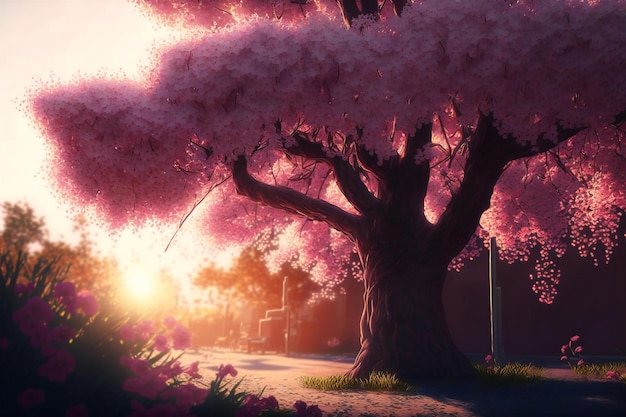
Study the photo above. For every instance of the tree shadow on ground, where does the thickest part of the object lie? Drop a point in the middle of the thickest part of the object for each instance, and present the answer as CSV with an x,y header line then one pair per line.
x,y
545,398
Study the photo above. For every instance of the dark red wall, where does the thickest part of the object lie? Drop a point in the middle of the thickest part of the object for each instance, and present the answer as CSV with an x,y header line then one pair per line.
x,y
591,302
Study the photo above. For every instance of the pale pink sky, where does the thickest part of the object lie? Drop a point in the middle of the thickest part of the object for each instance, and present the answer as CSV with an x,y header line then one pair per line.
x,y
64,37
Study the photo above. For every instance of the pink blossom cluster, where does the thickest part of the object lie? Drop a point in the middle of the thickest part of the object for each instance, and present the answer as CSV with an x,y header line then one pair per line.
x,y
173,335
147,149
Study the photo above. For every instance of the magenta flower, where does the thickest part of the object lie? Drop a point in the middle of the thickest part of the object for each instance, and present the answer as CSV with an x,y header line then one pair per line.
x,y
160,343
127,333
58,366
30,397
78,410
181,337
20,289
136,365
564,358
225,370
612,375
578,349
170,322
66,293
37,309
87,303
194,370
171,369
63,333
580,362
302,410
253,405
563,349
40,335
162,410
151,384
144,329
489,358
574,338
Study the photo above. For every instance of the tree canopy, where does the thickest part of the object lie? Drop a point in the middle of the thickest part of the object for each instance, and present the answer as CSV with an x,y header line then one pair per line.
x,y
480,118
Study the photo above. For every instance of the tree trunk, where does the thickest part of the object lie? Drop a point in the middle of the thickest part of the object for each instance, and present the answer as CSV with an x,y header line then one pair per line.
x,y
403,325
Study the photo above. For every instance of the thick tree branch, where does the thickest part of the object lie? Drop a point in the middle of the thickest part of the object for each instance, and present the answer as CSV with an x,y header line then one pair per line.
x,y
398,6
485,163
370,163
292,201
348,179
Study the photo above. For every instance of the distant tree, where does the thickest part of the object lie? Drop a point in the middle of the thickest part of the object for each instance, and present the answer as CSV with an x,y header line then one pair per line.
x,y
24,231
21,227
249,282
411,137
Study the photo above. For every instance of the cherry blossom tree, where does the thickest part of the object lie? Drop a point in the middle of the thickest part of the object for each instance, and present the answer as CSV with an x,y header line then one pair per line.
x,y
412,131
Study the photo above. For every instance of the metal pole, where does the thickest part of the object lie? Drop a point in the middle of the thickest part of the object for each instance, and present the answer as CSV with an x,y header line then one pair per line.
x,y
495,300
286,313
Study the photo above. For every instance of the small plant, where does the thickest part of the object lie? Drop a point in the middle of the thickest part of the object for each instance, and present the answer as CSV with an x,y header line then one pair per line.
x,y
494,375
377,381
571,353
615,371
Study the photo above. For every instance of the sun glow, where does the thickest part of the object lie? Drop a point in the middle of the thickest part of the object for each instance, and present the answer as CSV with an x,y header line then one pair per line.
x,y
140,282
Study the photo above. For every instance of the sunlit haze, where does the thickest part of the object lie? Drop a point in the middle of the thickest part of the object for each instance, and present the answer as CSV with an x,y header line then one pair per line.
x,y
43,39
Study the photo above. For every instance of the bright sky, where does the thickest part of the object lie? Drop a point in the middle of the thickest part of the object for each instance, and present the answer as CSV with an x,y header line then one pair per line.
x,y
63,37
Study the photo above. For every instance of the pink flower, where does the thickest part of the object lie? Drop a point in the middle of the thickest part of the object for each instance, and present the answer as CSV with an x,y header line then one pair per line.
x,y
564,358
38,310
58,366
40,335
172,369
127,333
193,370
563,349
63,333
162,410
78,410
488,358
303,411
578,349
30,397
580,362
136,365
612,375
145,329
87,303
4,343
169,322
574,338
139,410
66,292
225,370
160,343
20,289
151,384
181,337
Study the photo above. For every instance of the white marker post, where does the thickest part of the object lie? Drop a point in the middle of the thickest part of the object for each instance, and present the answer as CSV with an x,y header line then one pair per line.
x,y
495,306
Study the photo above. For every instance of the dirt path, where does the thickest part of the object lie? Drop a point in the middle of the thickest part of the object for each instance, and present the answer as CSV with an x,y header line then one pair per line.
x,y
559,393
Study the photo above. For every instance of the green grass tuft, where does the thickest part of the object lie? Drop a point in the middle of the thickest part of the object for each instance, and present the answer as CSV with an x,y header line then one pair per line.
x,y
599,370
508,375
377,381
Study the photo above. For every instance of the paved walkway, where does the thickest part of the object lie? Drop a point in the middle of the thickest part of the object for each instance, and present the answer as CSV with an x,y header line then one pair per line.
x,y
559,393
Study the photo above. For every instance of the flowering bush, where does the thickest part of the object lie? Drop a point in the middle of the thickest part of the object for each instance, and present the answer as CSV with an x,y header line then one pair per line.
x,y
63,352
571,353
